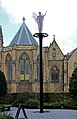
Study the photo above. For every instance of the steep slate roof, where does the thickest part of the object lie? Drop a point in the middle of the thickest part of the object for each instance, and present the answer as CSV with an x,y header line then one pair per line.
x,y
70,54
24,36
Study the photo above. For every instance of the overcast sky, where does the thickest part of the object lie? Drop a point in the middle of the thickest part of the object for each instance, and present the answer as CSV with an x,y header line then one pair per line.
x,y
60,20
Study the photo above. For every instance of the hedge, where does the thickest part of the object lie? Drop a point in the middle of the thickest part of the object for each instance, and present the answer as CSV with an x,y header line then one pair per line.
x,y
32,100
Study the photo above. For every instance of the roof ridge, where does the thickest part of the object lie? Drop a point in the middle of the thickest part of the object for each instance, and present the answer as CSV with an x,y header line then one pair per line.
x,y
20,35
27,33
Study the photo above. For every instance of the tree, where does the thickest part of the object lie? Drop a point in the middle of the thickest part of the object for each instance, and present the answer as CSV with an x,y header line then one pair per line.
x,y
3,84
73,83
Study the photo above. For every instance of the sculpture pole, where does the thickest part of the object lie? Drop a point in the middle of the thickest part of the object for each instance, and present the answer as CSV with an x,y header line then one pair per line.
x,y
40,36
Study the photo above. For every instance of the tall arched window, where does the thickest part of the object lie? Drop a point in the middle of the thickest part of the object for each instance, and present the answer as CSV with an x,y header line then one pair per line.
x,y
54,74
9,66
24,67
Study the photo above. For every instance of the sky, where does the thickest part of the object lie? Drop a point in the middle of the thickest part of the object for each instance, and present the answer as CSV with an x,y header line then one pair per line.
x,y
60,20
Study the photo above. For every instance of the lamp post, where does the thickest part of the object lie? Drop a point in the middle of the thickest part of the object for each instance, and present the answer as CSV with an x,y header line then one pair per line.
x,y
39,19
40,36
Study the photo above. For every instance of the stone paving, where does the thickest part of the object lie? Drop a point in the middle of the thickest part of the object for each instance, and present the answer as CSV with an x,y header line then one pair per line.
x,y
47,114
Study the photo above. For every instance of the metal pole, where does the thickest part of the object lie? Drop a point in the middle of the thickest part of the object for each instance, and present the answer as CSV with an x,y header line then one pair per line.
x,y
40,36
41,74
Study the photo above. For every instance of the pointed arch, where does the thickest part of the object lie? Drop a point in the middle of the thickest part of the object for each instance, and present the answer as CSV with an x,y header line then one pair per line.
x,y
24,61
9,66
54,74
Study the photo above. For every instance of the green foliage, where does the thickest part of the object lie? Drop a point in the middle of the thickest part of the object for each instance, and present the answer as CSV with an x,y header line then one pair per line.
x,y
73,84
58,101
8,99
6,116
32,100
32,103
4,107
23,97
3,84
55,97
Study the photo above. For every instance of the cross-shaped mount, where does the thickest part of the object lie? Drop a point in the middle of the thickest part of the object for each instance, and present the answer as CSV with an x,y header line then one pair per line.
x,y
23,19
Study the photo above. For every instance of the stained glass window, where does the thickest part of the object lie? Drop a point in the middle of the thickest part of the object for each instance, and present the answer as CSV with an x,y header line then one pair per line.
x,y
54,74
9,66
24,67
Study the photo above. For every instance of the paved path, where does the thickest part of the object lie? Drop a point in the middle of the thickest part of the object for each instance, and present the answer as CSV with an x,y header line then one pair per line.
x,y
48,114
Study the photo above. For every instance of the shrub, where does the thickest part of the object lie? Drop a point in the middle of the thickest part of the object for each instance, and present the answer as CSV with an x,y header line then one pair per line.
x,y
73,84
6,116
3,84
31,100
24,97
5,107
32,103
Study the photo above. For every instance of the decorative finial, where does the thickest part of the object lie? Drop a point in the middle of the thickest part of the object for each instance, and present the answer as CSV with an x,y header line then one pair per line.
x,y
23,19
53,37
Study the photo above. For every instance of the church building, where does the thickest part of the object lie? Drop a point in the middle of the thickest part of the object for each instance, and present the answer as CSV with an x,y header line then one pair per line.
x,y
20,63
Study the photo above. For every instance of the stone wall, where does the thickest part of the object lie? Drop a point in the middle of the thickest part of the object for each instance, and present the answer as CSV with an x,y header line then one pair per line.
x,y
32,85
